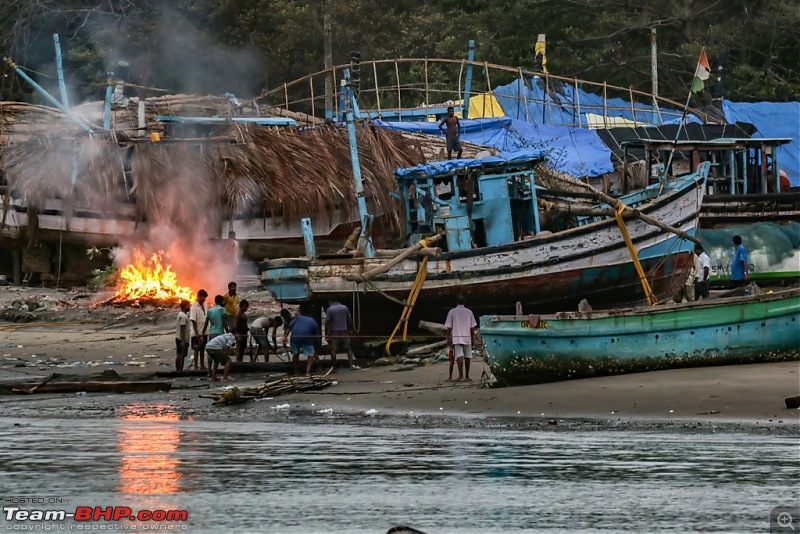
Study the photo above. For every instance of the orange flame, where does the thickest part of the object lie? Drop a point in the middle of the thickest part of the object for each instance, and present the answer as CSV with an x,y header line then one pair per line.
x,y
150,278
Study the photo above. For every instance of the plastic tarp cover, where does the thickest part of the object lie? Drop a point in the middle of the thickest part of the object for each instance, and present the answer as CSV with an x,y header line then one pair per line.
x,y
558,105
485,105
575,151
773,119
448,167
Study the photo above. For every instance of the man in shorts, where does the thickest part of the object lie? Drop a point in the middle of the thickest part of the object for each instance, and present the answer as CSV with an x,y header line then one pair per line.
x,y
461,325
219,352
182,337
306,337
452,134
199,330
338,325
231,304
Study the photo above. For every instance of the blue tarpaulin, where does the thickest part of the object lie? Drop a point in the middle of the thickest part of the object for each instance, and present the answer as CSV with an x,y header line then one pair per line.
x,y
575,151
559,105
447,167
773,119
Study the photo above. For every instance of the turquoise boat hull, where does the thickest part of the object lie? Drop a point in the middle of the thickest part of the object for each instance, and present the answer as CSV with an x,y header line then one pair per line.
x,y
534,349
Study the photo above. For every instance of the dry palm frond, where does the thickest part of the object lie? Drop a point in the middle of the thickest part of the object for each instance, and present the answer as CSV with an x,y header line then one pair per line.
x,y
296,173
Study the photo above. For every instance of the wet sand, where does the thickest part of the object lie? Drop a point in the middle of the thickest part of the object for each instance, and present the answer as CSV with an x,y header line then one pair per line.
x,y
739,393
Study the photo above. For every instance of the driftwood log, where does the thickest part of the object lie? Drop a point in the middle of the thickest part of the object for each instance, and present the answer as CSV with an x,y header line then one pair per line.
x,y
424,349
397,259
436,328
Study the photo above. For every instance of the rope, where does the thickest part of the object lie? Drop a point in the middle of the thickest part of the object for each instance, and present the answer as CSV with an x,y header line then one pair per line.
x,y
651,298
422,273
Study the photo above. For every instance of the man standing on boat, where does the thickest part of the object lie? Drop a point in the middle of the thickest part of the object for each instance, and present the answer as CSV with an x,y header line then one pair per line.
x,y
453,132
461,324
702,283
739,269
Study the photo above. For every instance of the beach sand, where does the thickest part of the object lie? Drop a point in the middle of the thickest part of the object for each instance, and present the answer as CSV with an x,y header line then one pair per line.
x,y
136,342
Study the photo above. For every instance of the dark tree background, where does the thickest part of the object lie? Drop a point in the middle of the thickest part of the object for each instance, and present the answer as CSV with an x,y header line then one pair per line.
x,y
246,46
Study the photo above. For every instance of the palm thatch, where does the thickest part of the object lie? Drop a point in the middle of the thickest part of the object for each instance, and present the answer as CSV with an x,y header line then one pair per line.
x,y
267,170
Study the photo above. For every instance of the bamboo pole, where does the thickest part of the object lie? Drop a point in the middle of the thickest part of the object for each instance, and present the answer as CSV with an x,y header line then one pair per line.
x,y
311,83
578,98
286,96
636,214
399,97
427,102
377,89
605,106
460,76
633,108
524,95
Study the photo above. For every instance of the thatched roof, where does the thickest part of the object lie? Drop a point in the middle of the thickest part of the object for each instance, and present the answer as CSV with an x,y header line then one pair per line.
x,y
20,121
277,170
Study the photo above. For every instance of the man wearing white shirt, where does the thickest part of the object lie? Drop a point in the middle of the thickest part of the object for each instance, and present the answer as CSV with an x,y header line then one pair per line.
x,y
702,284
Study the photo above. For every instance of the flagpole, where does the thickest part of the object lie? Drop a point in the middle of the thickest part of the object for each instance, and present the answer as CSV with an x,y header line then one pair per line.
x,y
680,125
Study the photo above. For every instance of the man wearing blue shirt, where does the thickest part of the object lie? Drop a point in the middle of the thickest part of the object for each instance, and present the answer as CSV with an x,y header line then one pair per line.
x,y
306,336
739,263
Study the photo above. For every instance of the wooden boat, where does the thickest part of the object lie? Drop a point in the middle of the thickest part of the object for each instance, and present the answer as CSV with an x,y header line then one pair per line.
x,y
542,348
743,197
495,252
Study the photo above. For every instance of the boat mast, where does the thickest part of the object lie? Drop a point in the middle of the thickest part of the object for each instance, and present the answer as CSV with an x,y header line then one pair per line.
x,y
365,241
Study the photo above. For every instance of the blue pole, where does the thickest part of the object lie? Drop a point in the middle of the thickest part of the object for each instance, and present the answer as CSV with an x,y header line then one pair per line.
x,y
62,87
364,241
47,96
308,237
468,84
535,203
107,106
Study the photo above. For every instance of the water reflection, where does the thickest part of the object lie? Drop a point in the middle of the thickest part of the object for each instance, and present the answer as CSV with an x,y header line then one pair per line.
x,y
148,441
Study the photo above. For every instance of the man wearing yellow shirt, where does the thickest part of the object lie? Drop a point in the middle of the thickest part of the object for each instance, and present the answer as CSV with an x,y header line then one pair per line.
x,y
231,305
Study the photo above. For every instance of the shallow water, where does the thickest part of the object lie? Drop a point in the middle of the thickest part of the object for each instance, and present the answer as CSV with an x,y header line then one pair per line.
x,y
309,476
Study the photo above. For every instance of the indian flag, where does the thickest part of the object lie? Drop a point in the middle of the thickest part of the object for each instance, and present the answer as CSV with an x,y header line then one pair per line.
x,y
702,72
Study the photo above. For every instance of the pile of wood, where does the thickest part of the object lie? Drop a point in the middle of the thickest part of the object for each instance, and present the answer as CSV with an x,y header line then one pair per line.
x,y
236,395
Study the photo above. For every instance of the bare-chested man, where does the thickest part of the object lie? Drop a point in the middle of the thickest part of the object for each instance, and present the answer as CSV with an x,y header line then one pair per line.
x,y
452,134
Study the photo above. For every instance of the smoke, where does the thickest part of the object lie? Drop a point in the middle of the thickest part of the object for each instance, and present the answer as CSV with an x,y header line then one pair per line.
x,y
180,54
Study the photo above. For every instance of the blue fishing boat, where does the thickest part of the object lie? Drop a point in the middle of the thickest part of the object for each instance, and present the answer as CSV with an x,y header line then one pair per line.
x,y
495,251
528,349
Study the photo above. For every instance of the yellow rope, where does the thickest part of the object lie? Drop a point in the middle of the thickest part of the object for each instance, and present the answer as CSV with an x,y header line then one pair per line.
x,y
422,273
651,298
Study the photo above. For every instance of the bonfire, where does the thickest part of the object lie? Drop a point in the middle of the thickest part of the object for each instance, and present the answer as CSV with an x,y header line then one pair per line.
x,y
149,280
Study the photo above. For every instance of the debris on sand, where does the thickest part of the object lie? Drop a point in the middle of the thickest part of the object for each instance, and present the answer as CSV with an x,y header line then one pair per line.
x,y
236,395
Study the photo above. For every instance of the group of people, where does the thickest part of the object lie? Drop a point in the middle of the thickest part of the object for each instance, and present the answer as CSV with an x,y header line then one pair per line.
x,y
698,283
223,330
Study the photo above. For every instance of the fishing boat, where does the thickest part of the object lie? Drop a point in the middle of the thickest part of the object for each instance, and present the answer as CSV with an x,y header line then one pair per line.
x,y
744,196
528,349
495,251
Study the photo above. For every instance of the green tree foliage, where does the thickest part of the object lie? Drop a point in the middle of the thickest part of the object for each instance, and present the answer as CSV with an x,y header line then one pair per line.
x,y
246,46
